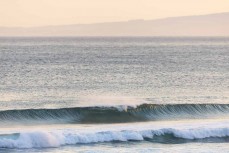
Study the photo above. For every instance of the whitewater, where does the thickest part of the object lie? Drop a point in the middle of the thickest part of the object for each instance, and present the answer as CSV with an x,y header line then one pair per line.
x,y
114,94
163,132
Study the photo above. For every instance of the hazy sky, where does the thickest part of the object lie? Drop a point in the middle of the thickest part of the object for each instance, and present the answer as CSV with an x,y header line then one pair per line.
x,y
61,12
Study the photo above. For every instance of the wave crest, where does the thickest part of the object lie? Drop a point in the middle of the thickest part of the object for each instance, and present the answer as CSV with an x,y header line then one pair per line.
x,y
144,112
42,139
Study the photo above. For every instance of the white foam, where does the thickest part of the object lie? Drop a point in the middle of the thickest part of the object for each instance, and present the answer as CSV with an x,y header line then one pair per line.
x,y
120,102
43,138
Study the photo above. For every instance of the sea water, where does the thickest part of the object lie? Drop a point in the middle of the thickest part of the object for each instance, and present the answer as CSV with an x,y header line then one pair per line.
x,y
114,94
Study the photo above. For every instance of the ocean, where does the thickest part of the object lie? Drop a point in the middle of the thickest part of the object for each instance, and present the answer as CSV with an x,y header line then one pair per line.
x,y
114,94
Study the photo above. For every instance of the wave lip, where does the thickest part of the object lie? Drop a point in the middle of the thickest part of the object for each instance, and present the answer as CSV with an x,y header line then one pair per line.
x,y
45,139
144,112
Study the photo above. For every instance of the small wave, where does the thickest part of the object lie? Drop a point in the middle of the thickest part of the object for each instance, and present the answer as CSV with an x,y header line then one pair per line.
x,y
45,139
119,114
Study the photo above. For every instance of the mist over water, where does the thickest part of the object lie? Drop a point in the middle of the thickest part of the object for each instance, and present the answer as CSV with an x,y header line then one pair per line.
x,y
76,83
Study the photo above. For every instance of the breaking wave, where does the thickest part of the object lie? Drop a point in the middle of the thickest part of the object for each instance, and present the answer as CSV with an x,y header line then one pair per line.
x,y
119,114
45,139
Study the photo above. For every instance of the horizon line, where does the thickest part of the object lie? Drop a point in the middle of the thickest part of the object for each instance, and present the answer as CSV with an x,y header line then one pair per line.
x,y
131,20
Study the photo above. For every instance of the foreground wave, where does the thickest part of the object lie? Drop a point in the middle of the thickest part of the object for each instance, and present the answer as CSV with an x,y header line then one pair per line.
x,y
119,114
42,139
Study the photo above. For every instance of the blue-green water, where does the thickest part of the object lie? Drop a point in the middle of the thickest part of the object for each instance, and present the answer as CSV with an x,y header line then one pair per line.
x,y
114,94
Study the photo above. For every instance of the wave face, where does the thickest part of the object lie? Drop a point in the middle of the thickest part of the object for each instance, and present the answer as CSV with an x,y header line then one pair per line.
x,y
119,114
45,139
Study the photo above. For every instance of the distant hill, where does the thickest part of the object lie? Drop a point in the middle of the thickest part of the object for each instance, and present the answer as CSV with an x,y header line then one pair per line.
x,y
203,25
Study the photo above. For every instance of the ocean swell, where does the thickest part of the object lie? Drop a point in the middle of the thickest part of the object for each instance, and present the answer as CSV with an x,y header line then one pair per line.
x,y
118,114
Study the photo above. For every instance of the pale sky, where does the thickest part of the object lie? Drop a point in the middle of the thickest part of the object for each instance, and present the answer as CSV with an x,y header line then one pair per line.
x,y
62,12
